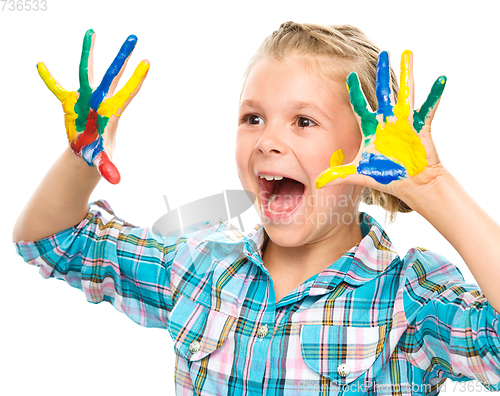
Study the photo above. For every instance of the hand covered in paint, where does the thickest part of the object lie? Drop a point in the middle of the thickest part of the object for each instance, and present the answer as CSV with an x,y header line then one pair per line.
x,y
396,139
91,115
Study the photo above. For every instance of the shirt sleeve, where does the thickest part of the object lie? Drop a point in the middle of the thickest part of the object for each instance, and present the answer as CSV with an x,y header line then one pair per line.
x,y
109,260
453,331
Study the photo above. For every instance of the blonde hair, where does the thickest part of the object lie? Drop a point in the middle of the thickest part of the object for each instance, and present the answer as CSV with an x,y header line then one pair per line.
x,y
355,51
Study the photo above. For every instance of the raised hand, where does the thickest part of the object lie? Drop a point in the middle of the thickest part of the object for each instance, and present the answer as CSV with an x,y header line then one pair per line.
x,y
91,115
396,139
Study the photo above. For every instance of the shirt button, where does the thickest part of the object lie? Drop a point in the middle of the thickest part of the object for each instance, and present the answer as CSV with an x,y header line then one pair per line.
x,y
194,347
343,370
262,332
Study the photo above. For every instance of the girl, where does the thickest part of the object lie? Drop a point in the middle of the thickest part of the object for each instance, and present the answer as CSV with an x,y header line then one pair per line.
x,y
315,301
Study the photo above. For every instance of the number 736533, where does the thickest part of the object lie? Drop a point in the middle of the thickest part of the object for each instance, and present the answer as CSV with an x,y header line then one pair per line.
x,y
24,5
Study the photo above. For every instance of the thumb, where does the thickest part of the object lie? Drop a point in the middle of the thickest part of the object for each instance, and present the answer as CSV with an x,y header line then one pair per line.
x,y
106,168
95,155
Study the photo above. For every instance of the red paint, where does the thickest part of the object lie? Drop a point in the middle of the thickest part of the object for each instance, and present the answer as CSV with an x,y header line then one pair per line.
x,y
89,134
106,168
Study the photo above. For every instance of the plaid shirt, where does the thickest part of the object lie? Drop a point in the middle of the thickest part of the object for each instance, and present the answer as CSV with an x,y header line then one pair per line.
x,y
370,323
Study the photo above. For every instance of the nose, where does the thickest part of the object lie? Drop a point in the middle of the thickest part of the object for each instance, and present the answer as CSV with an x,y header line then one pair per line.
x,y
271,141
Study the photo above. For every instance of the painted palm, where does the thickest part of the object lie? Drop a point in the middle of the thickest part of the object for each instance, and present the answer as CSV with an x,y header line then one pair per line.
x,y
391,147
88,111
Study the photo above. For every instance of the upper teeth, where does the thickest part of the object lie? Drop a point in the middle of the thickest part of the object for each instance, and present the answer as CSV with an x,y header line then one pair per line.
x,y
271,177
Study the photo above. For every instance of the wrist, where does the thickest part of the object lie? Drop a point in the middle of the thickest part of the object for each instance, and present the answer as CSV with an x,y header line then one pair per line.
x,y
81,169
441,193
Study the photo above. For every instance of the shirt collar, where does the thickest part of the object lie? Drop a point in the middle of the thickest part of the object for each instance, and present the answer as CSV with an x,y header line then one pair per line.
x,y
229,238
364,262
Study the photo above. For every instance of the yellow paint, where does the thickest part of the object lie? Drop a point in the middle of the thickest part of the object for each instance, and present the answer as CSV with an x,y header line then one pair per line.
x,y
336,169
398,140
395,138
402,108
337,158
333,173
114,105
67,98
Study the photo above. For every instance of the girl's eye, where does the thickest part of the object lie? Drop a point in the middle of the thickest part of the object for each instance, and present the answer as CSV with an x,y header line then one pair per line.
x,y
253,119
303,122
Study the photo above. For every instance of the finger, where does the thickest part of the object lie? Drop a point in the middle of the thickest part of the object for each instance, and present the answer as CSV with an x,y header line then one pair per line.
x,y
66,97
356,96
85,73
86,62
402,108
94,155
361,107
106,168
383,87
118,103
371,169
336,170
116,80
112,75
380,168
333,173
337,158
428,109
91,60
411,83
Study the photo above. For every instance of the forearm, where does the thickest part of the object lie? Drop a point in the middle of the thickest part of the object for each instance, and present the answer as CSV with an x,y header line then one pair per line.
x,y
60,201
471,231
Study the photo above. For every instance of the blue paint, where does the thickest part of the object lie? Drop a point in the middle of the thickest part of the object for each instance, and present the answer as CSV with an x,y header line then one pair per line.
x,y
90,151
380,168
383,87
100,93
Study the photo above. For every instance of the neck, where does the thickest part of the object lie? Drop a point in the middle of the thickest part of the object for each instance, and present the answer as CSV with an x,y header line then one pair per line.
x,y
302,262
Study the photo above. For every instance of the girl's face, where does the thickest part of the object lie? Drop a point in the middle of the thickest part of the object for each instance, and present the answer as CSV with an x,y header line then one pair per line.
x,y
290,122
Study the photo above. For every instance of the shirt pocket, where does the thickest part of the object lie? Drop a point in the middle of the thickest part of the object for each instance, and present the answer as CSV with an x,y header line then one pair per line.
x,y
341,353
197,331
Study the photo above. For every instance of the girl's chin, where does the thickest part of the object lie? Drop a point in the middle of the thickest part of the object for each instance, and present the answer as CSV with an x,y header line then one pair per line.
x,y
290,221
284,239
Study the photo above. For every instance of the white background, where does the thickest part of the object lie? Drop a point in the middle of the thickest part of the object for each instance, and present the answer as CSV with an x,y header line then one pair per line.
x,y
177,138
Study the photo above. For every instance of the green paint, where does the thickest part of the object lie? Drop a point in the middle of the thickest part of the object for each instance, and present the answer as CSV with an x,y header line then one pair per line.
x,y
419,116
82,106
101,123
368,119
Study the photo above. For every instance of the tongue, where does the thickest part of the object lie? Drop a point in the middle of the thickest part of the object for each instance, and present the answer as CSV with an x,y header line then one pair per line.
x,y
287,196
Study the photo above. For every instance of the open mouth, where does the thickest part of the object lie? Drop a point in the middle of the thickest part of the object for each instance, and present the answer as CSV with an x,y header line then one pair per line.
x,y
280,195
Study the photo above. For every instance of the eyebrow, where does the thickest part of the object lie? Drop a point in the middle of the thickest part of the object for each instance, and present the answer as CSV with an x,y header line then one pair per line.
x,y
289,105
249,103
